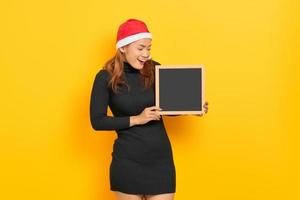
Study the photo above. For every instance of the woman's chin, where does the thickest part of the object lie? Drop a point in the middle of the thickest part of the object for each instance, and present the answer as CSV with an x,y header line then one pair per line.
x,y
139,66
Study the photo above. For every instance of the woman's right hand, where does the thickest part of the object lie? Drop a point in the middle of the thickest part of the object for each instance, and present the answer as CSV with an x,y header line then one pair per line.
x,y
148,114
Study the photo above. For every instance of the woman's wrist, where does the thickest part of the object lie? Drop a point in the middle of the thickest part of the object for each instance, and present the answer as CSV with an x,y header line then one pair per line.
x,y
134,120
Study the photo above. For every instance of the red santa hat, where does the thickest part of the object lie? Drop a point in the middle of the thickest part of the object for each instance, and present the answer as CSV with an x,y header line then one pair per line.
x,y
130,31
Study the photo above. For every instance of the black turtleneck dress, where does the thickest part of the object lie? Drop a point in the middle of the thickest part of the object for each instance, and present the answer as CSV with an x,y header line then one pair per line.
x,y
142,160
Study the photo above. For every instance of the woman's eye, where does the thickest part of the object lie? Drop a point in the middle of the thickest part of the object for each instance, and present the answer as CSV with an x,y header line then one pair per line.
x,y
142,49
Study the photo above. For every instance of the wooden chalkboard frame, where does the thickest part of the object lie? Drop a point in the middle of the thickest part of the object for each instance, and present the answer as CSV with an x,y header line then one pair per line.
x,y
158,68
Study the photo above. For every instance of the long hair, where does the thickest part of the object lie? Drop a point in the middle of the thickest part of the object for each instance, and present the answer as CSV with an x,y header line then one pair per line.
x,y
115,67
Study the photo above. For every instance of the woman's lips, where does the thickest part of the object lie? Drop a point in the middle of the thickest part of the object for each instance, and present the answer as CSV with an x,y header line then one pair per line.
x,y
142,62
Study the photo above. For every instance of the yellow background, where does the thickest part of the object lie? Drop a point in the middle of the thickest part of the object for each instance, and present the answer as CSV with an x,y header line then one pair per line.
x,y
245,148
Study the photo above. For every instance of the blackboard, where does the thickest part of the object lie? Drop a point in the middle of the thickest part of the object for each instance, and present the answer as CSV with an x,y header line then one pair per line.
x,y
179,89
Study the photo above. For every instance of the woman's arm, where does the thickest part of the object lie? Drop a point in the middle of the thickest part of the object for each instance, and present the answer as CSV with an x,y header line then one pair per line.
x,y
98,106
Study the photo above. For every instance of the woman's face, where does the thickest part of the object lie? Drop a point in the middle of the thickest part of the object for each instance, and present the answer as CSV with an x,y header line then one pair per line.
x,y
138,52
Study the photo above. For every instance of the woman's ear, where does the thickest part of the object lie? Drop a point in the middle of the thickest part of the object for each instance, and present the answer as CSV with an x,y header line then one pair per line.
x,y
122,50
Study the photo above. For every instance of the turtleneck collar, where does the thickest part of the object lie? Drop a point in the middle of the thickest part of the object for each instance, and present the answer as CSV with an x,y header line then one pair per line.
x,y
129,68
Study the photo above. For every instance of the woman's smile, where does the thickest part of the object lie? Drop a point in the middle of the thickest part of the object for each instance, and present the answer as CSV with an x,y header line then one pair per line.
x,y
141,61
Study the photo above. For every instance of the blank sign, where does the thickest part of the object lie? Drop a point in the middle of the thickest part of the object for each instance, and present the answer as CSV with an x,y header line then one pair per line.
x,y
179,89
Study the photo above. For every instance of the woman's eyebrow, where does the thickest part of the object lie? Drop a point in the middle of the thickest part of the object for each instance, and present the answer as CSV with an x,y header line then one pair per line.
x,y
144,45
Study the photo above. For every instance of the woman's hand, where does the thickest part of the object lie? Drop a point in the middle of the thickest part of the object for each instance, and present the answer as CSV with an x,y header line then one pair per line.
x,y
148,114
205,106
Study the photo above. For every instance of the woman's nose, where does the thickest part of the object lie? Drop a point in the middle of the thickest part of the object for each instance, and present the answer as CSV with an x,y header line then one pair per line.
x,y
146,54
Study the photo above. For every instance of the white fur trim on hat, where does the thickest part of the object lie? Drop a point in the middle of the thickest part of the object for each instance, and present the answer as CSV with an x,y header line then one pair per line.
x,y
132,38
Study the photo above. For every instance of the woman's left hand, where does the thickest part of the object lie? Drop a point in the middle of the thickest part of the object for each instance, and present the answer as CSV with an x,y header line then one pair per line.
x,y
205,106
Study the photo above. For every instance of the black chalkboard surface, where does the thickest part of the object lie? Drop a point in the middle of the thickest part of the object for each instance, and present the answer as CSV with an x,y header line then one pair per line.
x,y
179,89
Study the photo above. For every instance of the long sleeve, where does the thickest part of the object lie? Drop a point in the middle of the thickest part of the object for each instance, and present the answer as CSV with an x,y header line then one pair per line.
x,y
99,103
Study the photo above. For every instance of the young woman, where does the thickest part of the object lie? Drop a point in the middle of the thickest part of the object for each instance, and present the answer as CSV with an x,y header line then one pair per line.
x,y
142,164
